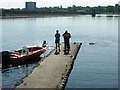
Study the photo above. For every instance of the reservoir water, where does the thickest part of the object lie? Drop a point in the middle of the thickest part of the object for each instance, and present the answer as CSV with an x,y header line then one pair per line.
x,y
96,66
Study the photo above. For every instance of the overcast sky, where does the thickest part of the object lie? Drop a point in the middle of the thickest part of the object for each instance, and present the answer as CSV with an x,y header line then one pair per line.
x,y
64,3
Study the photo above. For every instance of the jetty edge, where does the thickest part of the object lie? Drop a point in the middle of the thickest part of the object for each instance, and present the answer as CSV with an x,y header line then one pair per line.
x,y
53,71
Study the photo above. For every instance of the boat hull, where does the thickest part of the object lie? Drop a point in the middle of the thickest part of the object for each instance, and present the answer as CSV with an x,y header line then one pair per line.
x,y
33,56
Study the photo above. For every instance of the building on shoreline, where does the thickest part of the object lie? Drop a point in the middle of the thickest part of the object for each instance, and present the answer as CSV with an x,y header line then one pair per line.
x,y
31,9
30,6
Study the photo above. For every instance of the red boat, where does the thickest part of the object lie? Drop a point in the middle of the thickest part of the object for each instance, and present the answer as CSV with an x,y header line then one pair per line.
x,y
26,55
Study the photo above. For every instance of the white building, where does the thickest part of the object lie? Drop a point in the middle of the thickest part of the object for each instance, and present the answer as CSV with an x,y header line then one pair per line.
x,y
30,6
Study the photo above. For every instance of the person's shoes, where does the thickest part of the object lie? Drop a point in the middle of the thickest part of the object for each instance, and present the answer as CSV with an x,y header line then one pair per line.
x,y
56,53
59,50
65,53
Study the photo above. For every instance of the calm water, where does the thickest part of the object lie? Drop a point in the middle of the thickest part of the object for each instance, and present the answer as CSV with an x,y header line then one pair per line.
x,y
96,66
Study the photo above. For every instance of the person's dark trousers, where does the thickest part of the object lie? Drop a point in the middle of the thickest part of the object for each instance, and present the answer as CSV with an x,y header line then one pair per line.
x,y
66,47
57,46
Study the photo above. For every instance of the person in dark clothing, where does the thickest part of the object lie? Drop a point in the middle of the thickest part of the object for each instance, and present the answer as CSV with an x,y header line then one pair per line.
x,y
57,40
44,44
67,37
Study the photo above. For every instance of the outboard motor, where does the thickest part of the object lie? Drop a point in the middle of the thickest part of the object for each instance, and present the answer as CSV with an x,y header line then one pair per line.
x,y
5,59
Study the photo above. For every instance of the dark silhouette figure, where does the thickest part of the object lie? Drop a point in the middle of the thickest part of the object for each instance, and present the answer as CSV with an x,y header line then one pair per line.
x,y
44,44
57,40
67,37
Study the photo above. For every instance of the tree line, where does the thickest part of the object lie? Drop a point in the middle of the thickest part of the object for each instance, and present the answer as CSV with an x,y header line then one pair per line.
x,y
69,10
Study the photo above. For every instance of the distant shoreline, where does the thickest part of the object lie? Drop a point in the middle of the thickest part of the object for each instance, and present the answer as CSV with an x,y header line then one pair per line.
x,y
53,15
8,16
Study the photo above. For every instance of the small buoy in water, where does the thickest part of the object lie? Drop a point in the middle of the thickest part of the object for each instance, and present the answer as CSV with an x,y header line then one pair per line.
x,y
91,43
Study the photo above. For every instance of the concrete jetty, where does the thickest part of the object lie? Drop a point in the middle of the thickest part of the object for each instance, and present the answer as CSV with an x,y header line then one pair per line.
x,y
53,71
